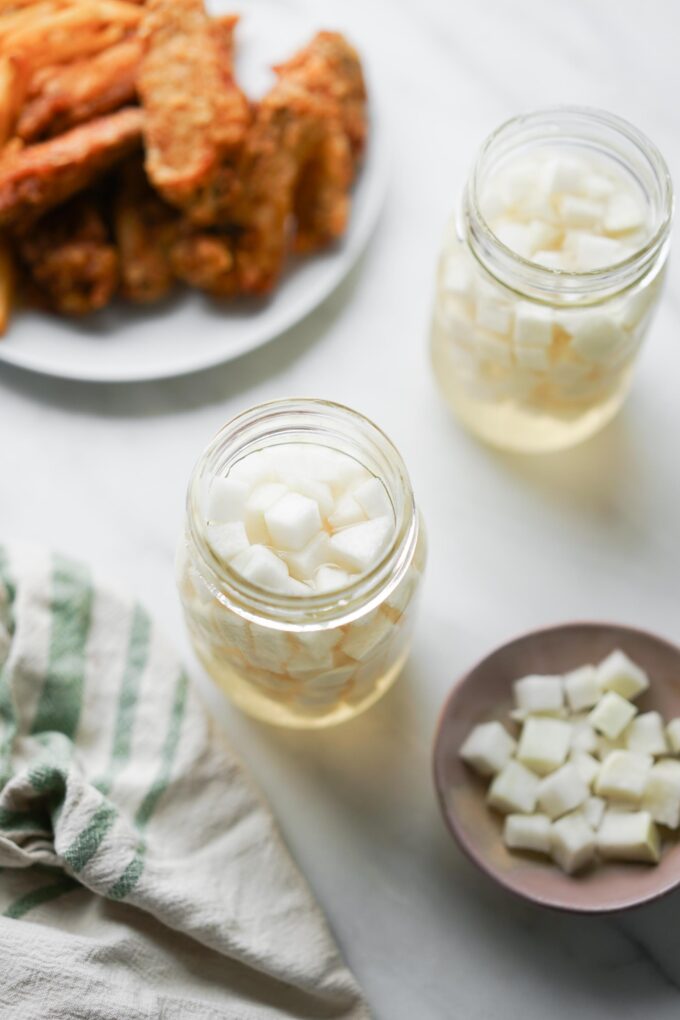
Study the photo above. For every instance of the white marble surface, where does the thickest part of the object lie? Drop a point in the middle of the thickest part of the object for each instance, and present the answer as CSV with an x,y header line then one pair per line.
x,y
515,543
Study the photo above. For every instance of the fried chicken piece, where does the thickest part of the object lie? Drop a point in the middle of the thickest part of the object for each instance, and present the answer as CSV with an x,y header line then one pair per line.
x,y
40,176
197,117
69,256
206,261
144,227
82,90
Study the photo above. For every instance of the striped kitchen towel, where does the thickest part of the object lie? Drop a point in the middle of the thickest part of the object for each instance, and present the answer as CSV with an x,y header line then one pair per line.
x,y
141,875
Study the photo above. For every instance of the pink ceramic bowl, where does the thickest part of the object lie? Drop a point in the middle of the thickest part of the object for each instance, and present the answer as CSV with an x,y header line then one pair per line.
x,y
485,693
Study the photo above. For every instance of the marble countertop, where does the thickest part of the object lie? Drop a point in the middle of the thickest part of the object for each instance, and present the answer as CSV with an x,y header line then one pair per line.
x,y
515,543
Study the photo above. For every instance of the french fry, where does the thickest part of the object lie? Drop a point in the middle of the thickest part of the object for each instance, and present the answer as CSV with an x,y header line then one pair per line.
x,y
7,279
71,33
13,82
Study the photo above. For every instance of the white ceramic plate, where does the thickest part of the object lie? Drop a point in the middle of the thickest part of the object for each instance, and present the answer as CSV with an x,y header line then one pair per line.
x,y
190,332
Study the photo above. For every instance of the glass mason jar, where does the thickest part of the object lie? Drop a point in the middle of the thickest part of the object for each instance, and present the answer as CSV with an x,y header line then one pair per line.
x,y
348,645
593,321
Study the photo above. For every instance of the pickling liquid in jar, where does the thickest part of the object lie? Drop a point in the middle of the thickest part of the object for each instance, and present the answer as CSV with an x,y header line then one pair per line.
x,y
549,278
301,563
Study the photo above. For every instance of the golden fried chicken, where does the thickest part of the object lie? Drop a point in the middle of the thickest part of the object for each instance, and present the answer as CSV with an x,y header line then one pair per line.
x,y
144,228
69,256
76,92
197,117
41,176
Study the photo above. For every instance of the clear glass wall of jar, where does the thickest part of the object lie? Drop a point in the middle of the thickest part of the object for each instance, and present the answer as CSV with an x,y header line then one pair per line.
x,y
531,400
356,639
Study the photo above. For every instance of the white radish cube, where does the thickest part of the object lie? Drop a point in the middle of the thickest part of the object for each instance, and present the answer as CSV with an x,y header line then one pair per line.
x,y
488,748
293,520
628,836
515,236
595,336
544,744
587,766
619,673
539,695
360,546
373,499
605,746
492,348
362,638
337,469
542,235
592,251
593,811
254,469
260,499
562,791
227,540
320,492
564,174
580,212
662,794
646,734
537,359
673,734
583,736
623,213
550,259
295,587
573,842
226,500
304,564
271,648
317,644
493,314
611,715
598,186
623,775
514,790
581,688
527,832
262,567
330,579
457,277
533,325
347,511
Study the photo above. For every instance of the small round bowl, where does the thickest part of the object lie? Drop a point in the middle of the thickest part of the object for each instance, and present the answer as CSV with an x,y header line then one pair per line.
x,y
485,693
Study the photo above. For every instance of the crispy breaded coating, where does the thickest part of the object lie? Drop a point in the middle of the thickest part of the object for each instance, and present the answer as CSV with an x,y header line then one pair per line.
x,y
41,176
69,256
144,228
77,92
197,117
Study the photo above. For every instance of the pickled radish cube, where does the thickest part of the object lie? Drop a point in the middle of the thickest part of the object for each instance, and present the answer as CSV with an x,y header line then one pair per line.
x,y
646,734
227,540
581,688
598,186
583,736
320,492
623,213
564,174
562,791
515,236
533,325
329,579
611,715
492,314
588,766
594,335
362,638
605,746
573,842
593,811
488,748
347,511
254,469
304,564
527,832
226,500
293,520
514,790
673,734
360,546
535,358
592,251
539,695
628,836
295,587
261,566
373,499
544,744
260,499
338,469
580,212
623,775
457,277
662,794
550,259
542,235
619,673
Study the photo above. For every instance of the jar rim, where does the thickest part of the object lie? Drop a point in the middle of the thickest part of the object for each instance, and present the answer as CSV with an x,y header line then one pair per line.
x,y
304,612
541,281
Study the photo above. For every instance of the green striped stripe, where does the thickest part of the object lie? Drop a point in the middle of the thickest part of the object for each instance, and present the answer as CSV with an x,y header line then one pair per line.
x,y
85,845
128,880
37,897
168,751
22,821
137,658
61,699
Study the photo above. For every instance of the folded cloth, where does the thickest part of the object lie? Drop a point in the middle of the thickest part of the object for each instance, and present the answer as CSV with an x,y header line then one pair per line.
x,y
141,874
